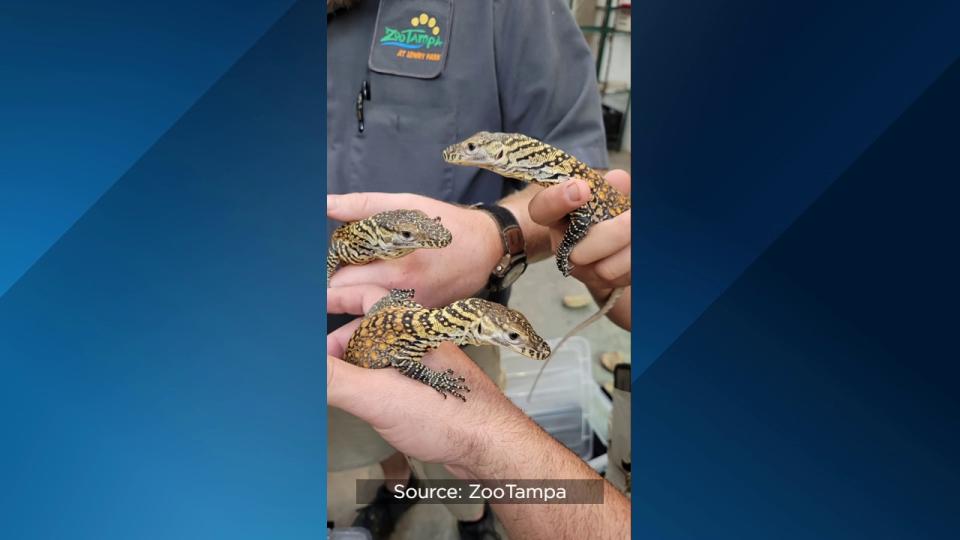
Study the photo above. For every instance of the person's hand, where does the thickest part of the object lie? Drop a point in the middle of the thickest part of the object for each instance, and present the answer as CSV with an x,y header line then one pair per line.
x,y
602,258
486,437
410,415
351,300
414,419
439,276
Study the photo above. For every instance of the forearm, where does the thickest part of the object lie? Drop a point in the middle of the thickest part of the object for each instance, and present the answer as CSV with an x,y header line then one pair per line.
x,y
537,236
610,519
522,450
486,438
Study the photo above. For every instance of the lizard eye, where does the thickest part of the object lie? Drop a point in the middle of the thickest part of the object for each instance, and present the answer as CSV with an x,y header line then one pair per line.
x,y
406,234
513,336
471,147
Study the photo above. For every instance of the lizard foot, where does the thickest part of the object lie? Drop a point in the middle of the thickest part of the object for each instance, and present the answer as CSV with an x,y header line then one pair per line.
x,y
444,382
563,264
580,221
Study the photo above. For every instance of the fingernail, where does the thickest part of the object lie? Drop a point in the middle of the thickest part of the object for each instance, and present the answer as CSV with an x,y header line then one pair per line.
x,y
573,191
331,202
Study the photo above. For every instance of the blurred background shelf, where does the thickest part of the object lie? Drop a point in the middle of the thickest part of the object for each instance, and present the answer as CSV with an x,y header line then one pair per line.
x,y
606,24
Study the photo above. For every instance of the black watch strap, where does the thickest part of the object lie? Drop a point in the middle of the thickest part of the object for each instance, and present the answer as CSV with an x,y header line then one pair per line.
x,y
514,259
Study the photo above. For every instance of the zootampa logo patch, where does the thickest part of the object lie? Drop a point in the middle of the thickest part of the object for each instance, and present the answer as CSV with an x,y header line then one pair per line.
x,y
412,38
416,41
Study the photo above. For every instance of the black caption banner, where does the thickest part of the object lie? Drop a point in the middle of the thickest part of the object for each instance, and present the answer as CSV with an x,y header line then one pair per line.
x,y
494,491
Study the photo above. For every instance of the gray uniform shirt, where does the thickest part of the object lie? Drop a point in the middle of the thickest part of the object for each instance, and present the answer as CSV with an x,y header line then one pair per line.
x,y
439,71
501,65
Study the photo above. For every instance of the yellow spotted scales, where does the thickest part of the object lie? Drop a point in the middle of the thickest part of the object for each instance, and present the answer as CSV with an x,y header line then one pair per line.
x,y
397,332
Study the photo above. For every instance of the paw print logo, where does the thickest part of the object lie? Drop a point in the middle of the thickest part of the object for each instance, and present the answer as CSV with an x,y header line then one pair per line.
x,y
428,21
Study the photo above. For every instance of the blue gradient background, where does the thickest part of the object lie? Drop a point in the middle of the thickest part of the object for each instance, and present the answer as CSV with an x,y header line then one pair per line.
x,y
87,88
161,195
747,111
161,182
795,353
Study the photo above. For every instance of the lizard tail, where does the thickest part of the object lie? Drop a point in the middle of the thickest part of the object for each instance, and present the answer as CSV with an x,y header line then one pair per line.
x,y
607,306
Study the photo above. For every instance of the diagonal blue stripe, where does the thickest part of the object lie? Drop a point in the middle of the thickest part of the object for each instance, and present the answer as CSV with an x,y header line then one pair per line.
x,y
639,372
817,397
86,88
161,362
749,115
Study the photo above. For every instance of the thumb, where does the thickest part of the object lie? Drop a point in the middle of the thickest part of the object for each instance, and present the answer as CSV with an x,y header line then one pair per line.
x,y
554,203
354,206
355,390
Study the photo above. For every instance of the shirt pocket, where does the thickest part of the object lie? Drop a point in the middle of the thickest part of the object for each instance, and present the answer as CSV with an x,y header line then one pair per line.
x,y
407,124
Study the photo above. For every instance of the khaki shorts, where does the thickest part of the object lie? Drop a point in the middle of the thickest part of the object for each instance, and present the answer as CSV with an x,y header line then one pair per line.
x,y
352,443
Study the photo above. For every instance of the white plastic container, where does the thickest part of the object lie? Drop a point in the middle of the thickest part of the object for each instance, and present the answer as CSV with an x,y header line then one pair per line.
x,y
561,401
599,413
349,533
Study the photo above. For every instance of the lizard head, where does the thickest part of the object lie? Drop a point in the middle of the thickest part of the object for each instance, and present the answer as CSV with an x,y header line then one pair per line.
x,y
410,229
483,149
499,325
513,155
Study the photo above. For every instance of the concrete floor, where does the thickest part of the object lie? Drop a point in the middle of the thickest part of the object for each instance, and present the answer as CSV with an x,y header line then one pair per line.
x,y
539,295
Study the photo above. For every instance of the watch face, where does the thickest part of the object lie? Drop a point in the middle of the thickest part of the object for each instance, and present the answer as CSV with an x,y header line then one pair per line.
x,y
514,273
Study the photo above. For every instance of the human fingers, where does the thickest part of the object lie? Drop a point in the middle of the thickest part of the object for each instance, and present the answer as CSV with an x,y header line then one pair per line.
x,y
602,240
554,203
386,275
354,206
338,339
615,273
365,393
619,179
354,299
615,269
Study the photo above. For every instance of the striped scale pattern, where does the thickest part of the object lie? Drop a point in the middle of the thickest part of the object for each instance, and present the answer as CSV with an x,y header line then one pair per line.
x,y
524,158
387,235
398,332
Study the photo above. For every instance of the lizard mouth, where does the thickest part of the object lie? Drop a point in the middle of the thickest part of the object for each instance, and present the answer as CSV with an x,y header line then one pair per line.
x,y
535,352
541,353
450,154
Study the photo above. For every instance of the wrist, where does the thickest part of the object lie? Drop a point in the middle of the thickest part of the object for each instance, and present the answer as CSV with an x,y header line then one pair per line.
x,y
537,236
490,245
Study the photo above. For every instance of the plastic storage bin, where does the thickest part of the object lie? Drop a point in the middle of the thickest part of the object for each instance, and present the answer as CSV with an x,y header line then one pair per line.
x,y
561,401
599,412
349,533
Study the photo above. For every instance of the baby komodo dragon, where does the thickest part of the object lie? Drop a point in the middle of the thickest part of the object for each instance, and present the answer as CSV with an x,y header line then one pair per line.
x,y
398,331
387,235
524,158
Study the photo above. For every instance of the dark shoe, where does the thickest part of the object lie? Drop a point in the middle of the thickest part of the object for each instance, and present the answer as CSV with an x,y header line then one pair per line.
x,y
482,529
380,517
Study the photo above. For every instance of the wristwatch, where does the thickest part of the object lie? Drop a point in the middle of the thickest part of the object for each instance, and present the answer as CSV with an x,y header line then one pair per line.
x,y
514,260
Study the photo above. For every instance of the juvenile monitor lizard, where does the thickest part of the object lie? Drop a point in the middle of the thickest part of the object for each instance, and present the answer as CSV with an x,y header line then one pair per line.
x,y
387,235
524,158
397,332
